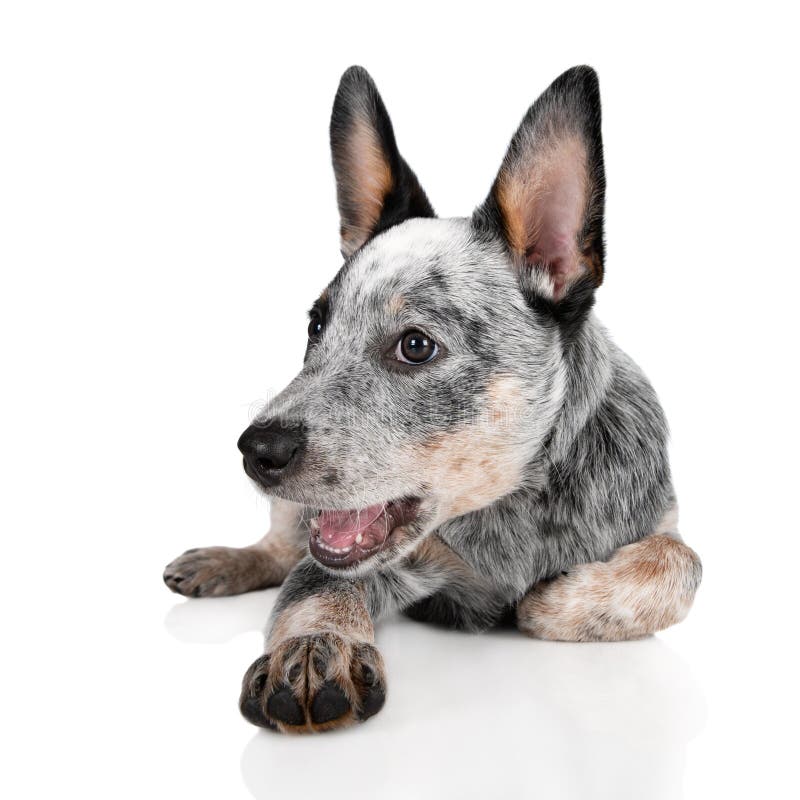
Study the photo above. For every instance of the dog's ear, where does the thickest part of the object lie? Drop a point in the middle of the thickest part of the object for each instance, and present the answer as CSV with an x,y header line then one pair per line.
x,y
547,200
375,187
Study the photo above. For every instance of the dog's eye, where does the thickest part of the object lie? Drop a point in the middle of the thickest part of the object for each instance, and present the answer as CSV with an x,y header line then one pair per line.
x,y
315,326
416,348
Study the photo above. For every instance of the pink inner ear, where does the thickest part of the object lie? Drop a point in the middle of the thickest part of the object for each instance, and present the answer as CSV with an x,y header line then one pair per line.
x,y
543,199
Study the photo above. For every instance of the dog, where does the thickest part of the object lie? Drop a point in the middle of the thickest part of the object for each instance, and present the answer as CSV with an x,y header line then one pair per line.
x,y
464,442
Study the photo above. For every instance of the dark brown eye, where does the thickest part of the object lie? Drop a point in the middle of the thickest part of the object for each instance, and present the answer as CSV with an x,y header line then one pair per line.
x,y
315,326
416,348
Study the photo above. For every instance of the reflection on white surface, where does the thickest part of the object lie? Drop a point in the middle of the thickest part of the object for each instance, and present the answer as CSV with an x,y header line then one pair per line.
x,y
489,716
220,619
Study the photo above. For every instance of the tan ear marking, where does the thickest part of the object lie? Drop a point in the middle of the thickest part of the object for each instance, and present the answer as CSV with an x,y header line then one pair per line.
x,y
548,198
543,195
369,179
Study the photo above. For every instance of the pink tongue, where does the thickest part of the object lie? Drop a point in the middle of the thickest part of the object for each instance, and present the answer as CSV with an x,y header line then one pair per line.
x,y
340,528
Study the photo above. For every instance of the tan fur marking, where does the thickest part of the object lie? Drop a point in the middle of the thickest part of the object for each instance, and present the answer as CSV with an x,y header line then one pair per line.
x,y
516,199
396,303
325,639
432,550
643,588
551,183
592,262
223,571
479,463
282,542
341,612
369,180
306,664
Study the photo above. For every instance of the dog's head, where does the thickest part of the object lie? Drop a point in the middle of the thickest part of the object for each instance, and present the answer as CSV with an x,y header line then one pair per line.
x,y
434,369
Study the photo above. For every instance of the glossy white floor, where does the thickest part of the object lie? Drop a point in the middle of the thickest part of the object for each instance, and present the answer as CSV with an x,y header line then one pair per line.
x,y
136,696
115,687
468,716
168,215
704,710
487,716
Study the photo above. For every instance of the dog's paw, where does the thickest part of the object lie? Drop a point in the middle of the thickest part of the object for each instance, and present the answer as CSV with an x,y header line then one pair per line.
x,y
217,571
314,683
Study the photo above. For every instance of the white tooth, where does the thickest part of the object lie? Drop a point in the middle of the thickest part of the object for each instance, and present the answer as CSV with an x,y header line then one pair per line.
x,y
359,539
314,525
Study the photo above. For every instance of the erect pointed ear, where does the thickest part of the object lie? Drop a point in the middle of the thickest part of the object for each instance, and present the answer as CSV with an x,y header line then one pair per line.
x,y
548,198
375,187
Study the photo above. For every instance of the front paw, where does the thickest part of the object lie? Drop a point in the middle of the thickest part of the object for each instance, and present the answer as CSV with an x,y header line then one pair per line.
x,y
314,683
217,571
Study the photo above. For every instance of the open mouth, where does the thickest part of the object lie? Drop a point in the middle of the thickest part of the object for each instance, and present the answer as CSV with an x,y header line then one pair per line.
x,y
344,538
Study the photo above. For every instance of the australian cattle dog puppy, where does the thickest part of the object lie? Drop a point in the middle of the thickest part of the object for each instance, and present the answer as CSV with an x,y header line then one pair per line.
x,y
464,441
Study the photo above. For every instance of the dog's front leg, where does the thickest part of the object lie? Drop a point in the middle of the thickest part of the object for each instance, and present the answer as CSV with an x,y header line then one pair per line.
x,y
222,571
321,669
642,588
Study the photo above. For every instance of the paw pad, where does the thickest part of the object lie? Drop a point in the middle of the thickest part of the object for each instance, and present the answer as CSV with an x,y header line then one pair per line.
x,y
283,707
314,682
329,703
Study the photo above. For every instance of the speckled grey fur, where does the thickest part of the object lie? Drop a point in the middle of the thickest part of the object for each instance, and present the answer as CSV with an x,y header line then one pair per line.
x,y
591,433
521,472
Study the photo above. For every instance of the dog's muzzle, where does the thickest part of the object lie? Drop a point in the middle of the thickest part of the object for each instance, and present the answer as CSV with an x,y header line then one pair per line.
x,y
271,449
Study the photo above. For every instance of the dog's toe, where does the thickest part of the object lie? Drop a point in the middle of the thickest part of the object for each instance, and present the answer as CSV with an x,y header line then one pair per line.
x,y
283,706
179,576
253,712
329,703
374,699
314,683
214,572
173,580
251,701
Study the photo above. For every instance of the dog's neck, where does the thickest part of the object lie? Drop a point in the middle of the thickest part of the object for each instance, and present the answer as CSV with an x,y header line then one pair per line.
x,y
588,372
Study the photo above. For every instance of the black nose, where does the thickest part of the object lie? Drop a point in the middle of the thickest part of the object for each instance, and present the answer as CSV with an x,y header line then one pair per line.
x,y
268,449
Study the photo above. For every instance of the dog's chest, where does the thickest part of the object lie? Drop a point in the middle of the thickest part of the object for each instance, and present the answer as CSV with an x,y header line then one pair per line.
x,y
503,544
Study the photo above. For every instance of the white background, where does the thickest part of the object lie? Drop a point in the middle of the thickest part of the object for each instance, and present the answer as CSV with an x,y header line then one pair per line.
x,y
167,214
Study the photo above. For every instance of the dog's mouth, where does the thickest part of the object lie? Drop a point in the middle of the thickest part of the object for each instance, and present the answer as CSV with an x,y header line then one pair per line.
x,y
344,538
